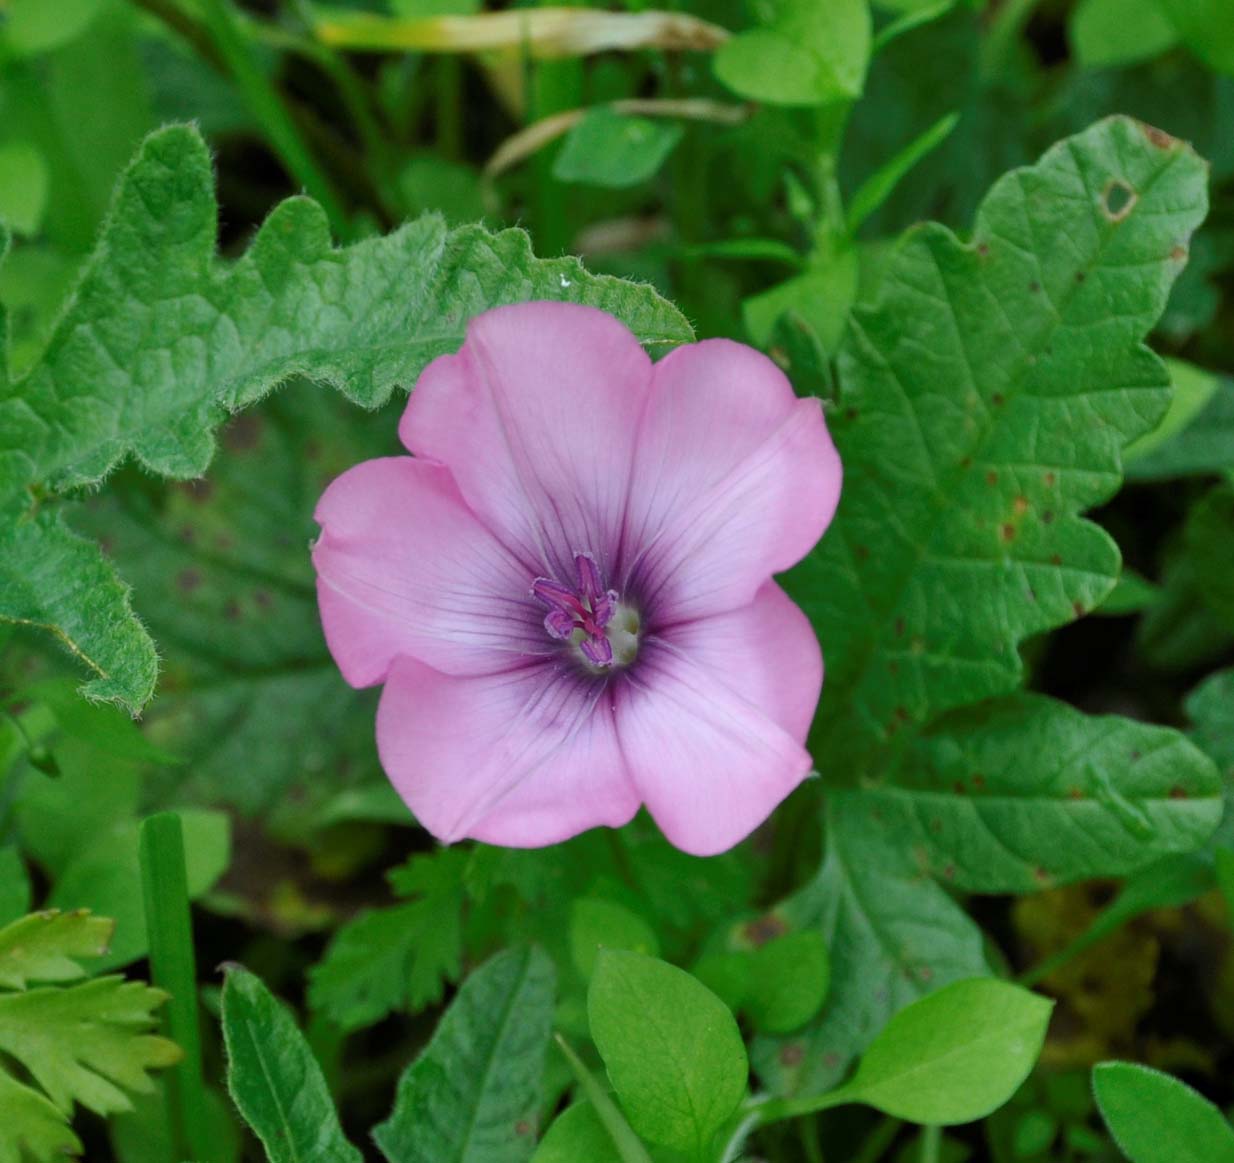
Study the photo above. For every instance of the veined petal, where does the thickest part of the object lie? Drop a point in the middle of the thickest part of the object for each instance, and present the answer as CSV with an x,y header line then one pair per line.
x,y
711,724
537,416
404,567
734,479
524,759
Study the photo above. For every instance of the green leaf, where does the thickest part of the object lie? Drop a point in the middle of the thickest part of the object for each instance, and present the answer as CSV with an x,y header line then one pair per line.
x,y
1157,1119
46,946
1205,445
1105,33
87,1043
877,188
611,149
34,1126
821,296
106,876
32,26
597,924
671,1047
274,1079
1194,388
954,1056
472,1095
131,372
576,1134
1209,537
1211,708
629,1146
102,728
788,980
967,464
15,892
400,957
23,187
54,580
1206,28
1026,792
809,54
893,935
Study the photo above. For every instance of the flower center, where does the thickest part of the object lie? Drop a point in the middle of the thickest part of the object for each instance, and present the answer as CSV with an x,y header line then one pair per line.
x,y
597,624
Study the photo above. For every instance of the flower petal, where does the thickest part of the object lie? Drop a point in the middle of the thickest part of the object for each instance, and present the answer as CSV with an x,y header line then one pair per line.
x,y
734,479
536,416
709,726
524,759
404,567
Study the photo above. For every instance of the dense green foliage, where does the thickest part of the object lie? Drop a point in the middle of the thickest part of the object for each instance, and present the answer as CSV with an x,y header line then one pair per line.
x,y
997,240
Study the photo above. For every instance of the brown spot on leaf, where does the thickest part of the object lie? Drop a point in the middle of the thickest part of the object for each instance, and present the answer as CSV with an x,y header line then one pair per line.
x,y
851,413
1056,559
991,478
978,779
1158,137
243,434
1074,793
1179,254
522,1127
1020,504
863,552
1034,287
1008,532
231,610
959,788
1050,480
1080,276
1178,792
187,580
899,627
1078,608
983,248
1047,516
763,929
200,490
791,1055
998,399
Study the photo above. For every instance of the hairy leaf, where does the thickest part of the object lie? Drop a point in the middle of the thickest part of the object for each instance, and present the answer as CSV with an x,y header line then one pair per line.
x,y
160,340
274,1079
985,399
471,1096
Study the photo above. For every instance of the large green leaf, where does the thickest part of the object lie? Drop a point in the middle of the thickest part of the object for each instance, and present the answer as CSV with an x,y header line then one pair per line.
x,y
161,339
472,1095
1025,792
985,398
274,1079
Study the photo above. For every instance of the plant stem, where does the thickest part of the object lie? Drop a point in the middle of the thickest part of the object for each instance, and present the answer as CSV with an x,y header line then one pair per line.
x,y
931,1144
173,969
878,1140
267,106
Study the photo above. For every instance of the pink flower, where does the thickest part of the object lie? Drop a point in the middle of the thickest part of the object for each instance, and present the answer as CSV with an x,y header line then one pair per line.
x,y
567,588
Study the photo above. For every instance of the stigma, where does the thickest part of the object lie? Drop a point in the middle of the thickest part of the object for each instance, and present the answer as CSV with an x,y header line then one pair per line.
x,y
592,619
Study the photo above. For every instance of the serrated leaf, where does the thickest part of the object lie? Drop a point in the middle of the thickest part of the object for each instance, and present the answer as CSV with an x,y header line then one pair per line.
x,y
34,1127
161,339
984,402
87,1043
274,1079
471,1096
400,957
46,946
1025,792
1157,1119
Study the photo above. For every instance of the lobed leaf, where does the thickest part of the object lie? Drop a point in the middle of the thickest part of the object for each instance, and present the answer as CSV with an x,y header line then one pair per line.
x,y
160,340
46,946
984,401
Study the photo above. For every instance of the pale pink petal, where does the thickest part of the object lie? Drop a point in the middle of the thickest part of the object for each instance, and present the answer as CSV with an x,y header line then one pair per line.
x,y
734,479
536,417
404,567
766,652
525,758
712,739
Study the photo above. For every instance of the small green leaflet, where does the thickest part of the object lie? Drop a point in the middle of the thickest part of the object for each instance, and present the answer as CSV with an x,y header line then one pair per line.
x,y
275,1080
984,400
611,149
1157,1119
160,340
672,1049
45,947
472,1095
954,1056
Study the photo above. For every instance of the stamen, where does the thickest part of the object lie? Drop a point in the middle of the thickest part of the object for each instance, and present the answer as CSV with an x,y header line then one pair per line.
x,y
586,617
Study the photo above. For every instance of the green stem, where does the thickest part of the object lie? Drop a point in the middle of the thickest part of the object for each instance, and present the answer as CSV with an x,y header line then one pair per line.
x,y
878,1141
931,1144
808,1133
267,106
173,969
